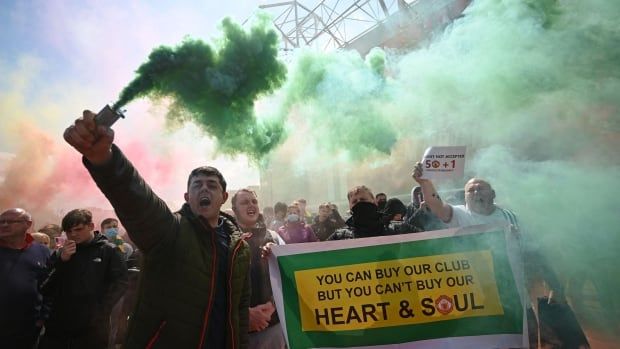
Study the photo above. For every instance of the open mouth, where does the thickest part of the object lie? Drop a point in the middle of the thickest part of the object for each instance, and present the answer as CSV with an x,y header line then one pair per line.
x,y
205,202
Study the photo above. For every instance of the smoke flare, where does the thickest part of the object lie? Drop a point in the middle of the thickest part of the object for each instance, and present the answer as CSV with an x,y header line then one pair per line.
x,y
217,89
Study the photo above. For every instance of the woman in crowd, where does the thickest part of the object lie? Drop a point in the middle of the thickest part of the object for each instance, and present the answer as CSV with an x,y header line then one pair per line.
x,y
295,230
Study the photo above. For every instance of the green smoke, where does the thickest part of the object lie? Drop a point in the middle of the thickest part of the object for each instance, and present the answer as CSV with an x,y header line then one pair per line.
x,y
340,97
531,87
376,60
216,88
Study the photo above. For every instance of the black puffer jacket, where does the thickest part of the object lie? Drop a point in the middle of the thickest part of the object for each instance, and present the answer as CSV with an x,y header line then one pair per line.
x,y
326,228
356,231
84,289
181,276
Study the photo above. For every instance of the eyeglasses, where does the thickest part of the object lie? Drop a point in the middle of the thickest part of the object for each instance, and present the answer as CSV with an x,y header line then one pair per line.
x,y
11,221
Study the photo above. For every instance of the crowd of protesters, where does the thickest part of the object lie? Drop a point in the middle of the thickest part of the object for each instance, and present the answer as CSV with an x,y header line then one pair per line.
x,y
204,281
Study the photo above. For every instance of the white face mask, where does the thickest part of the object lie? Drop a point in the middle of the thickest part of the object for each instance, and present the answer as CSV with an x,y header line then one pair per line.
x,y
292,218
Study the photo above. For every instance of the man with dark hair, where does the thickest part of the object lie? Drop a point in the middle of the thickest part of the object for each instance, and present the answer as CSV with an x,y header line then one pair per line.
x,y
86,281
53,231
366,220
279,211
76,217
194,290
327,221
306,215
23,267
394,210
381,201
207,171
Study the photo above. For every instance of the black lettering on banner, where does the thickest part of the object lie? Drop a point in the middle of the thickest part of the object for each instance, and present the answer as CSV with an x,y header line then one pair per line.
x,y
469,279
329,279
336,315
358,291
468,299
473,303
395,287
457,305
353,315
369,309
329,295
428,284
427,304
465,264
417,269
387,272
459,280
358,276
441,267
324,315
366,313
404,311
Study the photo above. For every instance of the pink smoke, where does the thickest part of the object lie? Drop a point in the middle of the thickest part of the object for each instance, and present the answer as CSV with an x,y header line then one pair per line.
x,y
47,178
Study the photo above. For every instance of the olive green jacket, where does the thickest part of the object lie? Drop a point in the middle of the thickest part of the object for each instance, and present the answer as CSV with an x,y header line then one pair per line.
x,y
177,283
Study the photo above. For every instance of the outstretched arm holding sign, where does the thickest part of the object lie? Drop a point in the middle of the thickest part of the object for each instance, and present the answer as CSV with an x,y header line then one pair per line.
x,y
431,198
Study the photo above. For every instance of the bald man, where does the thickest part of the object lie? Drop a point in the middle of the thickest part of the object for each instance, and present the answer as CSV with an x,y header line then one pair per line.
x,y
23,267
479,205
480,208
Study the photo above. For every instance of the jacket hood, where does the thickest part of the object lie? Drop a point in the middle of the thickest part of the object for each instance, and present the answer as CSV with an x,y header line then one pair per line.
x,y
99,239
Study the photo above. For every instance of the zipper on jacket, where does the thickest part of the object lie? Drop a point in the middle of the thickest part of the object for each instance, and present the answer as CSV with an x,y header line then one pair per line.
x,y
205,322
232,260
153,339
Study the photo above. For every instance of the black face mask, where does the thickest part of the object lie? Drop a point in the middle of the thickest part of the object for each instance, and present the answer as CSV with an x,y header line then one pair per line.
x,y
365,215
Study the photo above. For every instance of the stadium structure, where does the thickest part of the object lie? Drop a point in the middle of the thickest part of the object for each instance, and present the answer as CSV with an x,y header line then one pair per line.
x,y
400,25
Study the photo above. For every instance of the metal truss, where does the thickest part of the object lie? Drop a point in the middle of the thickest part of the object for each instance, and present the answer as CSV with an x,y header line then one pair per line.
x,y
330,24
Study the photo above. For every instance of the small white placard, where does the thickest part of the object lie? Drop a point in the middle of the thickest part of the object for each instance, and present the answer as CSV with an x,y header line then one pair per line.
x,y
443,162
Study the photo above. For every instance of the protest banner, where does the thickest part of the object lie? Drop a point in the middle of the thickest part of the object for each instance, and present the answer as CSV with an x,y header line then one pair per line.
x,y
449,288
443,162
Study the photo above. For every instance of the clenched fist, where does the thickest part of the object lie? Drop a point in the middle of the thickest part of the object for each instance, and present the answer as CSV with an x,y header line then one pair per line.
x,y
91,140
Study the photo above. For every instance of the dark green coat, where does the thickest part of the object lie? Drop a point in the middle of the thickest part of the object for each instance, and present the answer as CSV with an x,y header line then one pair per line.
x,y
176,291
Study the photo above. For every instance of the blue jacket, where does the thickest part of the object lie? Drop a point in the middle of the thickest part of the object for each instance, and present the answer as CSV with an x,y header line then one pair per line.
x,y
22,272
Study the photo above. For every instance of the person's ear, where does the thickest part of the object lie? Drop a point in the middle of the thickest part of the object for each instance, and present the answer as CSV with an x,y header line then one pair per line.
x,y
225,197
186,197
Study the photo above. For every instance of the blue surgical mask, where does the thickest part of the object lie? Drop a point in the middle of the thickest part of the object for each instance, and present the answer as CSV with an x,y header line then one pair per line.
x,y
292,218
111,233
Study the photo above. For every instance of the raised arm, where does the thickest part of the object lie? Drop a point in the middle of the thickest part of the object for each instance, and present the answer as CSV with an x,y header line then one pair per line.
x,y
145,216
431,197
